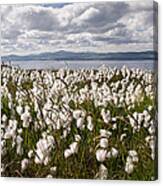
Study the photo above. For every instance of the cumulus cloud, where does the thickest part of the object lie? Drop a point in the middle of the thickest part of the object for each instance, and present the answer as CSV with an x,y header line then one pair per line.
x,y
100,27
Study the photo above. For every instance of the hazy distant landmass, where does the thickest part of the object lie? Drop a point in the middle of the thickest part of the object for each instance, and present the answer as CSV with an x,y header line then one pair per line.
x,y
65,55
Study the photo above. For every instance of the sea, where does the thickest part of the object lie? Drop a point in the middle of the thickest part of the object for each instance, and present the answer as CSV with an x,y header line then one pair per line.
x,y
91,64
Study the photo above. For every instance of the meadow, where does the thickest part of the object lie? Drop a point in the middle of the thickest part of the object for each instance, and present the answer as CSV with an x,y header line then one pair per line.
x,y
84,123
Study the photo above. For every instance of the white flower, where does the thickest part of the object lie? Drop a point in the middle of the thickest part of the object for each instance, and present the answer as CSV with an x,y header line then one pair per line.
x,y
123,136
78,113
53,169
106,116
30,153
135,159
147,139
90,125
150,107
67,153
20,131
37,160
152,144
27,108
129,168
103,172
49,176
26,118
65,133
151,129
50,139
114,152
46,160
79,122
105,133
104,142
101,155
153,155
74,147
44,134
11,130
10,105
109,154
19,109
3,143
44,147
129,159
94,85
145,113
132,121
77,137
39,157
114,126
4,118
24,164
132,153
19,141
19,150
114,119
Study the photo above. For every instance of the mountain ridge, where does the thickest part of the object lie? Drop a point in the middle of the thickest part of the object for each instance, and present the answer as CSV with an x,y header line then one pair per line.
x,y
67,55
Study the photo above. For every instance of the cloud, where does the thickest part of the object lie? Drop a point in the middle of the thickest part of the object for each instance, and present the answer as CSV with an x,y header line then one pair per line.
x,y
97,27
89,15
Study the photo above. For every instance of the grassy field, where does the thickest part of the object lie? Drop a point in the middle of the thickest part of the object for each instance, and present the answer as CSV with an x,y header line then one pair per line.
x,y
92,124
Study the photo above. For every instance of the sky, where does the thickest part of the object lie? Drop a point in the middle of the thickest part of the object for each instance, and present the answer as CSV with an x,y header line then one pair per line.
x,y
98,27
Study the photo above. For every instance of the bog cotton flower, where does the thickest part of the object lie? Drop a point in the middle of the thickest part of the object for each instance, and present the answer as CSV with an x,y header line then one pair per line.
x,y
123,136
46,160
49,176
53,169
131,161
90,125
10,131
101,155
30,153
19,141
77,137
19,109
150,107
106,116
151,129
78,114
114,126
44,147
4,118
105,133
26,118
67,153
79,122
20,131
24,164
132,153
129,168
104,142
114,152
74,147
103,172
109,154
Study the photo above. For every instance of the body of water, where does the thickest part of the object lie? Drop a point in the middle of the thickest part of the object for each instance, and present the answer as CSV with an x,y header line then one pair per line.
x,y
142,64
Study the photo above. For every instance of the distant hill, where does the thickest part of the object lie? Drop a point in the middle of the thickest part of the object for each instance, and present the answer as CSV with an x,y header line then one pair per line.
x,y
65,55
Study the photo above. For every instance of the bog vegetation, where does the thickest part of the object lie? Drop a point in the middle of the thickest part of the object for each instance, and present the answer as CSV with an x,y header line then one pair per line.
x,y
92,124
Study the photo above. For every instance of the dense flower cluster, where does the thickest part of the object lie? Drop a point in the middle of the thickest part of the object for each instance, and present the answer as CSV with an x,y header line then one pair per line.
x,y
131,159
81,123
